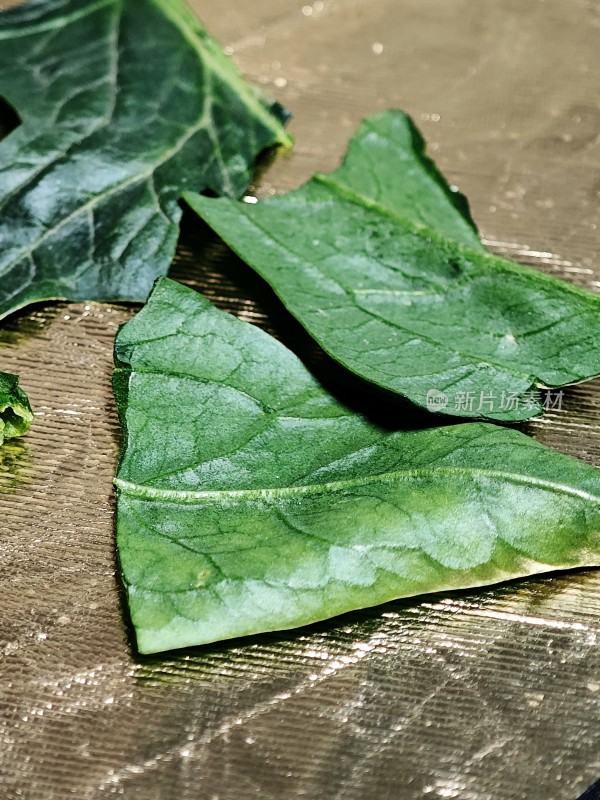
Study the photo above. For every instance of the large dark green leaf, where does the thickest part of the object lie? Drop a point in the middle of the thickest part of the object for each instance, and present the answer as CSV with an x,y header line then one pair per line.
x,y
15,412
381,263
125,104
250,500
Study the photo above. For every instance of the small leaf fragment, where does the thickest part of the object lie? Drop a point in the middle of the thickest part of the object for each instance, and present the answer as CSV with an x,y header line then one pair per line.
x,y
249,499
16,415
381,263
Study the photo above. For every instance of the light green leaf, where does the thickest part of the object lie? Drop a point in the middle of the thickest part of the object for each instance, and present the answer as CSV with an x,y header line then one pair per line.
x,y
15,412
249,499
381,263
125,104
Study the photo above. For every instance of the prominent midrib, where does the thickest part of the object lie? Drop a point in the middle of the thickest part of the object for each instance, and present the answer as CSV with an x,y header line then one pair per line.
x,y
102,122
419,228
144,492
321,336
130,180
54,24
480,257
231,77
203,121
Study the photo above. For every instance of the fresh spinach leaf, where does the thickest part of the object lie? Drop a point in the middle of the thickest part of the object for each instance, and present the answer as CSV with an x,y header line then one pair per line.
x,y
381,263
15,412
125,104
249,499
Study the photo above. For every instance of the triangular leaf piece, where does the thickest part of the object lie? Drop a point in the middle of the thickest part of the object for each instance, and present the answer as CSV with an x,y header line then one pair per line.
x,y
249,499
381,263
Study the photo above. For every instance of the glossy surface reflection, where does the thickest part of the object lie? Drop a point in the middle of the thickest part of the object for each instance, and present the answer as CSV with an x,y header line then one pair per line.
x,y
489,695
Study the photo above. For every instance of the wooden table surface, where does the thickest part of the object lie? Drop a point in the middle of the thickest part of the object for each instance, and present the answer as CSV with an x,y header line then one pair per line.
x,y
481,695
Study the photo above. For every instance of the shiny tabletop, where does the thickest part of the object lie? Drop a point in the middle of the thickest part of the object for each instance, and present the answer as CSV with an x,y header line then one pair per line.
x,y
480,695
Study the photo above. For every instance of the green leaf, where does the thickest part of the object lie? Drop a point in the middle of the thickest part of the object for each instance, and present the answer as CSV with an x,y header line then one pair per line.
x,y
249,499
381,263
15,412
125,104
